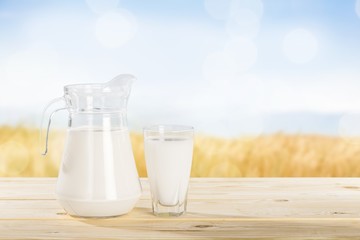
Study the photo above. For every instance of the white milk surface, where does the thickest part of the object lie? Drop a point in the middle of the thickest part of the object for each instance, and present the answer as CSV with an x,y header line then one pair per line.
x,y
168,163
98,165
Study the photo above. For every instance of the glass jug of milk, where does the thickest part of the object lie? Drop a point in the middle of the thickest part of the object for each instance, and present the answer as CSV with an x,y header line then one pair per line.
x,y
98,176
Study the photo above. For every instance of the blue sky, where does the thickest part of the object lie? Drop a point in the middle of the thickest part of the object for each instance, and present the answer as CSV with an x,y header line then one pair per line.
x,y
260,58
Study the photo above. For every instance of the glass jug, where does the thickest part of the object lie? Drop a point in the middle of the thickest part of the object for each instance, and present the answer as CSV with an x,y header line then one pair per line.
x,y
98,176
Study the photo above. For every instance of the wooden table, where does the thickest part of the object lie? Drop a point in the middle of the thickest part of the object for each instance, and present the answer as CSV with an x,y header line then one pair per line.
x,y
261,208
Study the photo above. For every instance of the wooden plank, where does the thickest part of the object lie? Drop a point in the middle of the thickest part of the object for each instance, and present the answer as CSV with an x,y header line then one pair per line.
x,y
320,208
117,229
203,209
204,188
27,188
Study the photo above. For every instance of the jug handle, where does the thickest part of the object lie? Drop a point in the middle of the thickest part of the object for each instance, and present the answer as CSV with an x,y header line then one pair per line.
x,y
51,103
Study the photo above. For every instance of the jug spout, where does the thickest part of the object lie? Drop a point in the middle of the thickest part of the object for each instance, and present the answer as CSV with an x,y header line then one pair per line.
x,y
122,82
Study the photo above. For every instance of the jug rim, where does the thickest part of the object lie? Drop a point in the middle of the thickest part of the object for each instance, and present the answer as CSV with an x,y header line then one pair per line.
x,y
85,87
74,85
168,128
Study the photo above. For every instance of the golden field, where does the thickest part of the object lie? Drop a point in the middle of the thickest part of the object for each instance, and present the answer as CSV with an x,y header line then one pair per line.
x,y
277,155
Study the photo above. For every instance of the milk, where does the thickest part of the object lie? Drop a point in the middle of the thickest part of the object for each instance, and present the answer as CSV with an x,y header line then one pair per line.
x,y
98,165
168,162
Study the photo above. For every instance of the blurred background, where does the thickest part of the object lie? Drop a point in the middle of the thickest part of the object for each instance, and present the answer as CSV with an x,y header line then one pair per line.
x,y
271,86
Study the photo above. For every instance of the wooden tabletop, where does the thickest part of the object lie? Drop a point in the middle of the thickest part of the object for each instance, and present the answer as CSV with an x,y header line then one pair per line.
x,y
261,208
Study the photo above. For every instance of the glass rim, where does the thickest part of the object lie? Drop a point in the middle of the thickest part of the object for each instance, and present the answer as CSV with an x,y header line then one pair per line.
x,y
172,128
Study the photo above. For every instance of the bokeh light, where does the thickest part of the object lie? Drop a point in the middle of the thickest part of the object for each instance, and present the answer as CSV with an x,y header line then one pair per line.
x,y
102,6
238,56
236,97
244,23
256,6
218,67
242,52
300,46
357,7
115,28
242,16
218,9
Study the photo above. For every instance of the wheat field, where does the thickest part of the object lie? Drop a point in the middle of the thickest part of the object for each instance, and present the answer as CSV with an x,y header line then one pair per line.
x,y
277,155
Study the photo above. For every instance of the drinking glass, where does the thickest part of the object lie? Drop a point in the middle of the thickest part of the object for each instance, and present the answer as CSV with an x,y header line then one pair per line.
x,y
168,155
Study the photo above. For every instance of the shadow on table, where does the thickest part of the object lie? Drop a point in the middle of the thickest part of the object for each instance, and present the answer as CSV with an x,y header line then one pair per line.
x,y
141,223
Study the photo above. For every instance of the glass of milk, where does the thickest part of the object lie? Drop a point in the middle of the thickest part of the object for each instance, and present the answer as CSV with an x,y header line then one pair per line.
x,y
168,155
